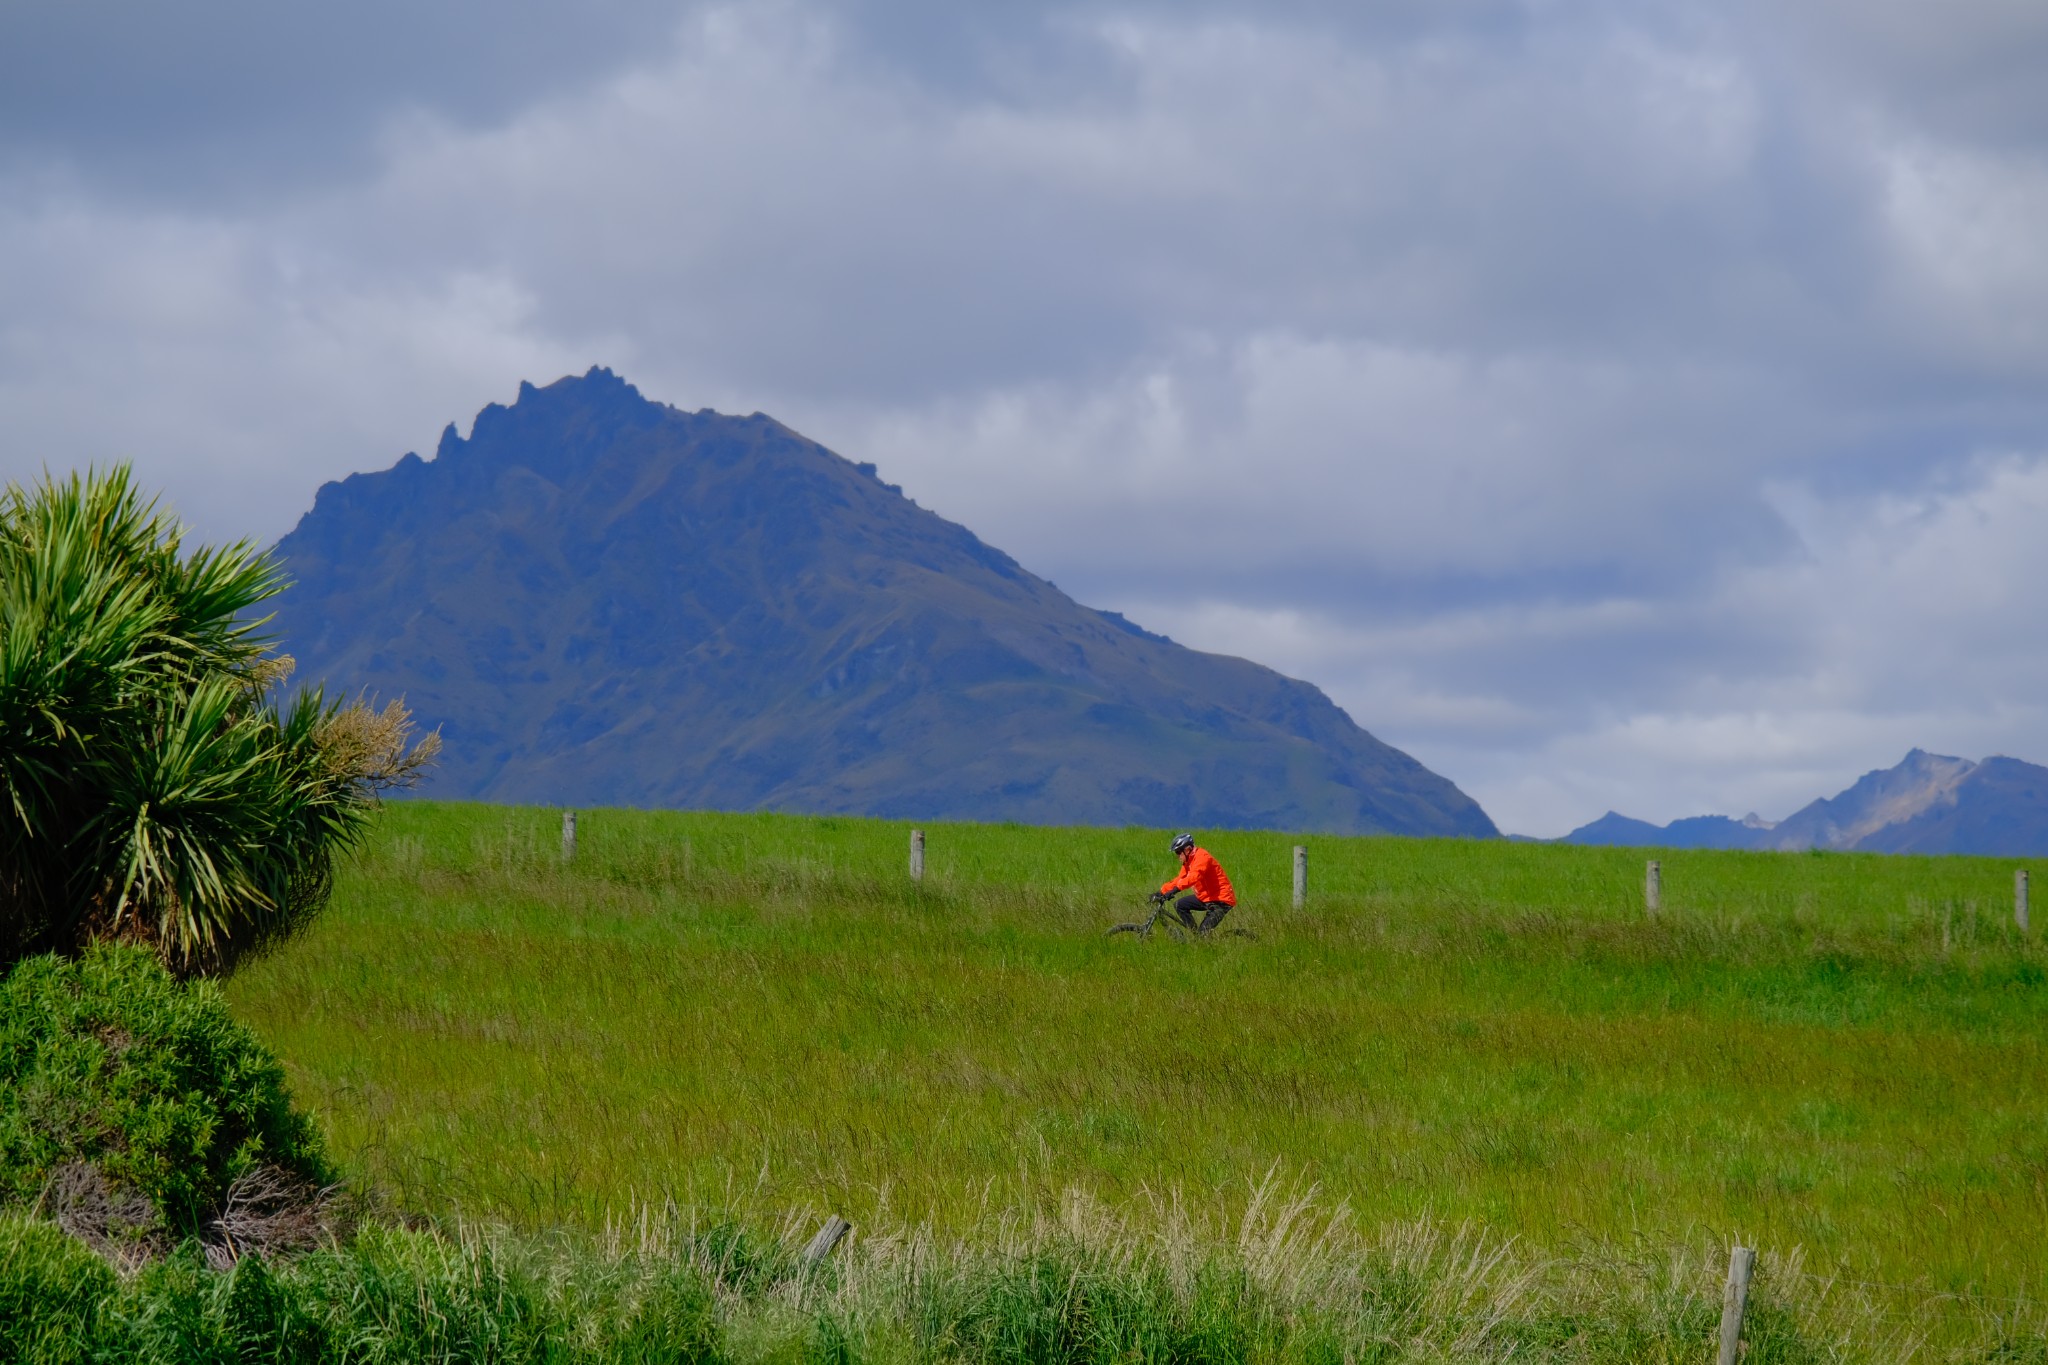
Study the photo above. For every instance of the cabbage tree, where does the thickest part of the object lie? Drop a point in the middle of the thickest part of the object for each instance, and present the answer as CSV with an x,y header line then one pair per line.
x,y
155,784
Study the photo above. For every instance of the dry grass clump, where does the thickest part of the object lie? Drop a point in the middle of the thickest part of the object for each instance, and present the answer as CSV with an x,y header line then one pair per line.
x,y
377,746
270,1211
121,1223
267,1211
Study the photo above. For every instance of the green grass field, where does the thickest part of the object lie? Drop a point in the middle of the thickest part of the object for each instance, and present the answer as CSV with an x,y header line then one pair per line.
x,y
1839,1054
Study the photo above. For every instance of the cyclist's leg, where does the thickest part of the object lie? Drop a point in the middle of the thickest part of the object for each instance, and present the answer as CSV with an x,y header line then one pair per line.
x,y
1186,907
1216,911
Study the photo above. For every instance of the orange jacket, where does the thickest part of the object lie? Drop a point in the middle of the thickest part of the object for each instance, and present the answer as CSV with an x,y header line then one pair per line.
x,y
1202,872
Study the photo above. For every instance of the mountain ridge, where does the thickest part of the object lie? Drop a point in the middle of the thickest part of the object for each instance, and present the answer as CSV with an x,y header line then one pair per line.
x,y
1926,803
606,600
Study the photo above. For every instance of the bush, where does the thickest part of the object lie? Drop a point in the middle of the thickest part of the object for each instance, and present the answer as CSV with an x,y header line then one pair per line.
x,y
149,791
135,1111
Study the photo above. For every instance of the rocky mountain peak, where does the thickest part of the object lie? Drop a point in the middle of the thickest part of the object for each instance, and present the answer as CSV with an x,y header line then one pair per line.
x,y
606,600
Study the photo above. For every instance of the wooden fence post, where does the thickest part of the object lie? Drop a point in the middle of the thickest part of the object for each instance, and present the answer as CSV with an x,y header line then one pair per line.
x,y
1300,876
829,1236
2019,899
917,855
568,835
1653,887
1735,1301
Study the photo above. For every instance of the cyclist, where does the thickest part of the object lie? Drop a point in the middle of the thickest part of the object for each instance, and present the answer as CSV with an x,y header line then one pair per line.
x,y
1202,877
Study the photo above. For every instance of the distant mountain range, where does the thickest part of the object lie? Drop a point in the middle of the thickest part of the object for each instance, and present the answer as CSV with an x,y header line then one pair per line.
x,y
1929,803
604,600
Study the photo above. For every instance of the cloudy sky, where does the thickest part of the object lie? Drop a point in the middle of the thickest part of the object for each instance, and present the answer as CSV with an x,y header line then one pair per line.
x,y
1637,405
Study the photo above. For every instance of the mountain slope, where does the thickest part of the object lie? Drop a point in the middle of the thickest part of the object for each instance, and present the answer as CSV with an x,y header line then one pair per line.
x,y
603,600
1872,803
1928,803
2000,808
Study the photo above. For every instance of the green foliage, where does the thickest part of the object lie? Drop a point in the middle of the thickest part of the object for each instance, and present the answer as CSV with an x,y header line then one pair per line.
x,y
52,1293
1064,1306
108,1061
148,790
1073,1287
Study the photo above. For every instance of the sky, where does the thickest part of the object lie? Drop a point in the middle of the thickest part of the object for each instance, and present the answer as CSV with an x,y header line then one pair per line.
x,y
1636,406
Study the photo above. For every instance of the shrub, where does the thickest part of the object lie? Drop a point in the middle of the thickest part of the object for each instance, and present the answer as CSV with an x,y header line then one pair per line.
x,y
135,1111
149,789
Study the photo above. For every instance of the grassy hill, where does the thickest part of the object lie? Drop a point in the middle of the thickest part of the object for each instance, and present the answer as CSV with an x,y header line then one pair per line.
x,y
1840,1053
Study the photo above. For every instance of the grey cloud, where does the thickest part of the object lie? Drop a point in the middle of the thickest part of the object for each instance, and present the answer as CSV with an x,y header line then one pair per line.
x,y
1260,180
192,101
1893,626
1968,70
151,94
1486,340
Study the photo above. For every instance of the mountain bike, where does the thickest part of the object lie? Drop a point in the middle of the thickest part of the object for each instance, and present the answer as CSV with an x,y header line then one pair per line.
x,y
1177,931
1143,929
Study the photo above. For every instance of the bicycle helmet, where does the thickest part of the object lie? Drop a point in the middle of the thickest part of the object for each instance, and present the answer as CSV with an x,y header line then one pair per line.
x,y
1182,843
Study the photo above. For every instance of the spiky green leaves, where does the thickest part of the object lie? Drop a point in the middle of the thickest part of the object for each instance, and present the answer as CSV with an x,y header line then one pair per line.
x,y
149,789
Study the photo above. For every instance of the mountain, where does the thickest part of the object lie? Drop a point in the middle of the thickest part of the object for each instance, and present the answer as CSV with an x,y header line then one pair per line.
x,y
1876,801
604,600
1699,831
1999,809
1929,803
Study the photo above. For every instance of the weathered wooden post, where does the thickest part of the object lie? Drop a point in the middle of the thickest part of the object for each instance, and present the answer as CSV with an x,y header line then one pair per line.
x,y
917,855
1653,887
1735,1301
829,1236
1300,876
568,835
2019,899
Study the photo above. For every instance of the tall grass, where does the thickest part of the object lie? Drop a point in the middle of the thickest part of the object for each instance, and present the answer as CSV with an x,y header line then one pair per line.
x,y
1284,1280
1838,1057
